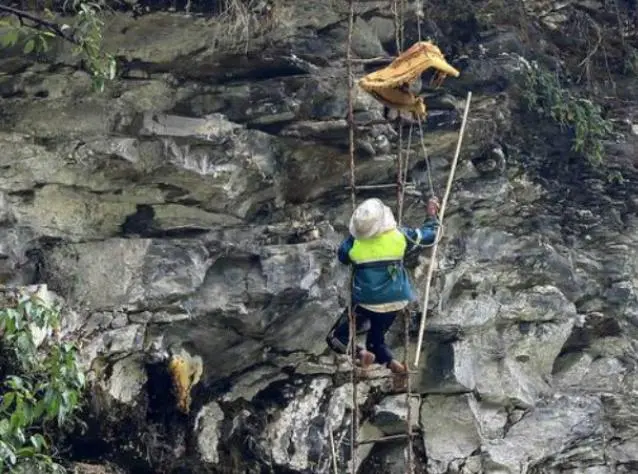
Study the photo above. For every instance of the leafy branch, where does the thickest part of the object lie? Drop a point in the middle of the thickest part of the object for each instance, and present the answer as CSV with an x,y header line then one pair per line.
x,y
63,31
543,93
86,36
44,392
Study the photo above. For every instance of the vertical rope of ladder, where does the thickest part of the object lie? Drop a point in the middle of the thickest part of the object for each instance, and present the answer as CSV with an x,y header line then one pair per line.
x,y
398,43
402,173
350,104
354,424
403,176
408,394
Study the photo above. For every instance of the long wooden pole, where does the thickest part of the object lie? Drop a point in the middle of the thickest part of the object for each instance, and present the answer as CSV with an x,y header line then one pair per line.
x,y
428,280
354,424
332,448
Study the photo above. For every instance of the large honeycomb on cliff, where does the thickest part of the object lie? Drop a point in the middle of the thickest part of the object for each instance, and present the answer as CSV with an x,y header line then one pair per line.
x,y
186,372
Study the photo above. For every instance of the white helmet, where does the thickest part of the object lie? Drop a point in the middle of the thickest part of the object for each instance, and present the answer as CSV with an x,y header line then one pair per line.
x,y
370,219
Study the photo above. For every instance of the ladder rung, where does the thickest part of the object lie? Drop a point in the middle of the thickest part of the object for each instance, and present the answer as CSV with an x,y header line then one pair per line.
x,y
387,438
409,372
387,376
390,122
378,59
379,186
372,122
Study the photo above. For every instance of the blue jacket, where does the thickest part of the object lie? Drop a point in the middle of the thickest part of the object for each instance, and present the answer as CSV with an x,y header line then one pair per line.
x,y
385,280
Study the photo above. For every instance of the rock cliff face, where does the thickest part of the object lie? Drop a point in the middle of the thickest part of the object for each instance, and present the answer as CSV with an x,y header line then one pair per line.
x,y
198,203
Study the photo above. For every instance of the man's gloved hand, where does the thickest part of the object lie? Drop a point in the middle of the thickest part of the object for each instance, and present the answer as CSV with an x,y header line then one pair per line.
x,y
433,206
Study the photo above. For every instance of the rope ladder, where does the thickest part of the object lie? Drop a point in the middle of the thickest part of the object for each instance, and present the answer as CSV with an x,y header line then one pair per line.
x,y
398,8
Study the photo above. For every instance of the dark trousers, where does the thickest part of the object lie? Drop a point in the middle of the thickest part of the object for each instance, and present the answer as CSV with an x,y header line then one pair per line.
x,y
375,324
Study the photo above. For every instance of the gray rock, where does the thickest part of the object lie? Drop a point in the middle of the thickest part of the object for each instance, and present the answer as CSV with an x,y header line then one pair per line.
x,y
247,386
446,418
119,320
472,465
90,468
133,272
127,379
126,340
207,430
510,367
295,431
390,415
583,371
543,435
508,349
214,128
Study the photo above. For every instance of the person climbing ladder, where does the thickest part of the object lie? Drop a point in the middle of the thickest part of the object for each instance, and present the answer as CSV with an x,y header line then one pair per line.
x,y
381,286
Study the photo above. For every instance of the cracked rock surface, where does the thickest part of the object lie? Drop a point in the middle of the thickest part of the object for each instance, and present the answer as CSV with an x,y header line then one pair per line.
x,y
198,203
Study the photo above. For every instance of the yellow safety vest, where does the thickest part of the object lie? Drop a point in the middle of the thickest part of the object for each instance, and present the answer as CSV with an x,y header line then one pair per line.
x,y
389,246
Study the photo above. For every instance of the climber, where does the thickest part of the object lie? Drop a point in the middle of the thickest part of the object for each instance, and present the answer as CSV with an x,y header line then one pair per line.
x,y
381,286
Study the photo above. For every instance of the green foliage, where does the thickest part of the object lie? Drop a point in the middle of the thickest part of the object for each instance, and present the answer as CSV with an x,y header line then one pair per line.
x,y
101,65
543,93
34,32
36,41
43,393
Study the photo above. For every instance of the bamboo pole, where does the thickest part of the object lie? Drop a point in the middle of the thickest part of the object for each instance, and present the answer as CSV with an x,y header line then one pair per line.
x,y
428,280
333,450
354,425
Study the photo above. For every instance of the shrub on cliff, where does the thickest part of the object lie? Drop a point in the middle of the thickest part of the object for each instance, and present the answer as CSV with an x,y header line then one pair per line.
x,y
42,386
34,31
544,94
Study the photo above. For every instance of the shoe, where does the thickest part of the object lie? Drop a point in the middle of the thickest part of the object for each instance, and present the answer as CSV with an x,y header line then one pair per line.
x,y
366,358
400,376
397,367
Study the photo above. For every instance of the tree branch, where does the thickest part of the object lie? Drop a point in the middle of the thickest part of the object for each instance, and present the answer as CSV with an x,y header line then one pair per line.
x,y
40,23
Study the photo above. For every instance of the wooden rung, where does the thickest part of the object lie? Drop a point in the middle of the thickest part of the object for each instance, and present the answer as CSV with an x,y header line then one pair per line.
x,y
390,122
363,378
386,376
386,438
372,122
409,372
378,59
379,186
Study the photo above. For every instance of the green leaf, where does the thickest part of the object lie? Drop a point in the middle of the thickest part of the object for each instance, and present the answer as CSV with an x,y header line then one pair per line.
x,y
19,434
38,410
11,313
98,84
44,46
8,452
27,451
38,442
62,415
53,408
10,38
4,428
112,68
15,383
65,397
7,400
16,420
